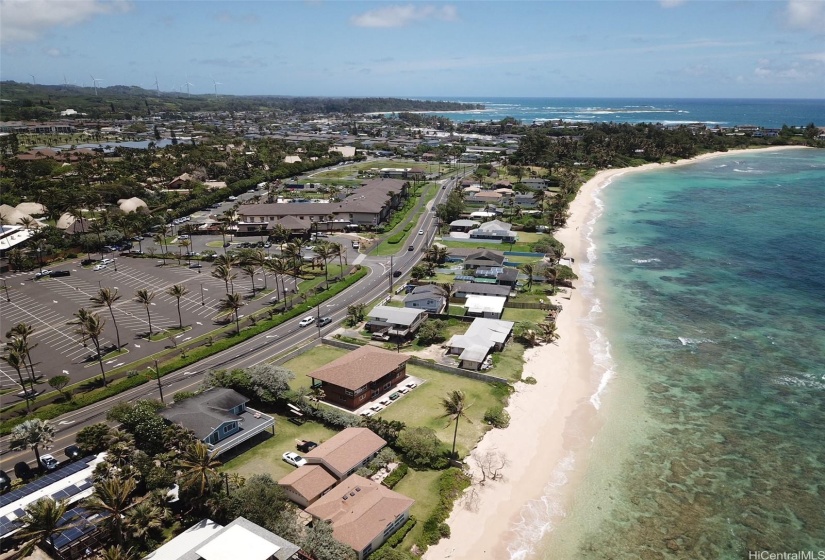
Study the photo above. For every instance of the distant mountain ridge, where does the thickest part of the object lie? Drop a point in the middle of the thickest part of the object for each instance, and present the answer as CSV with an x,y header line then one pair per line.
x,y
22,101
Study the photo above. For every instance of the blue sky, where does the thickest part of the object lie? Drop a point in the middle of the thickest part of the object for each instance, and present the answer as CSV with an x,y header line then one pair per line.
x,y
613,48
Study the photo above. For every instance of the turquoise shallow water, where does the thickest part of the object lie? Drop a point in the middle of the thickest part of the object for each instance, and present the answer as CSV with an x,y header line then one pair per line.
x,y
716,312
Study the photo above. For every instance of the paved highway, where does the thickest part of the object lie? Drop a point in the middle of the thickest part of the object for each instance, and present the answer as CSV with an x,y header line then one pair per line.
x,y
261,348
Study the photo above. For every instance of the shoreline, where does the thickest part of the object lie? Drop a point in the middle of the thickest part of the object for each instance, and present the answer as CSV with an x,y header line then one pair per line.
x,y
554,422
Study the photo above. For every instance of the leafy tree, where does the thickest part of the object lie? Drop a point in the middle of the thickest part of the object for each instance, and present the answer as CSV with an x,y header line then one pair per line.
x,y
320,543
59,383
422,448
269,382
262,501
32,434
356,313
388,430
455,406
142,421
92,439
40,523
432,332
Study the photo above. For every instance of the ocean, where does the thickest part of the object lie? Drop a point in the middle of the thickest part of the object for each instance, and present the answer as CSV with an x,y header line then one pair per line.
x,y
707,290
769,113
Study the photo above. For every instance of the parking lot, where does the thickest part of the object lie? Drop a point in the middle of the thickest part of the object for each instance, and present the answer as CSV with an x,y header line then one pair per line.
x,y
48,304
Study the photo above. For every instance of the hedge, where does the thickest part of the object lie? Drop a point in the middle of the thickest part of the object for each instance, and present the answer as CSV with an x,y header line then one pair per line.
x,y
395,476
395,239
51,411
395,539
451,484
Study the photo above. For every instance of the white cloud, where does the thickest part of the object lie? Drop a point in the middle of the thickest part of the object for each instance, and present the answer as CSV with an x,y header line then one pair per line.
x,y
806,15
26,20
401,16
819,57
671,3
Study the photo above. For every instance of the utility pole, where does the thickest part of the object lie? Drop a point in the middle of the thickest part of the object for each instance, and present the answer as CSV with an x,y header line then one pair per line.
x,y
318,319
390,276
5,287
202,301
160,387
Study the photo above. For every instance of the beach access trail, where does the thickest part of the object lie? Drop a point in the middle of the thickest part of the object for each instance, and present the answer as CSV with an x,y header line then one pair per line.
x,y
552,422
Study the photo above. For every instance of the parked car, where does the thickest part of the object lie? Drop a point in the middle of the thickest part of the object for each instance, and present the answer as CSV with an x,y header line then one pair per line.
x,y
305,446
42,274
56,273
23,471
324,321
73,452
183,237
294,459
5,482
306,321
99,267
107,261
49,462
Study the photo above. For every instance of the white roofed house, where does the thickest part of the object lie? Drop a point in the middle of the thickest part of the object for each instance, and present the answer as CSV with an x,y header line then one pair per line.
x,y
483,336
394,321
488,307
495,230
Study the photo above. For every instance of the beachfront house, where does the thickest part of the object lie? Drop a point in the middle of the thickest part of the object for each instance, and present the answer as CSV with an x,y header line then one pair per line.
x,y
360,376
363,513
463,289
488,307
483,336
483,258
495,230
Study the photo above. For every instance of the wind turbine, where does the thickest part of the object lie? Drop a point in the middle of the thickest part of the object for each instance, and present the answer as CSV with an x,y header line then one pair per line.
x,y
216,87
157,87
187,84
34,82
94,82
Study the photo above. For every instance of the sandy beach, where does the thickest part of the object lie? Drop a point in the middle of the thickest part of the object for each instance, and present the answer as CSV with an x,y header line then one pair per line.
x,y
552,422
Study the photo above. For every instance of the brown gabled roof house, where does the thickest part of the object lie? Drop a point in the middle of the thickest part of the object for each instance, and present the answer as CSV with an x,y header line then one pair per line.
x,y
307,483
362,512
346,451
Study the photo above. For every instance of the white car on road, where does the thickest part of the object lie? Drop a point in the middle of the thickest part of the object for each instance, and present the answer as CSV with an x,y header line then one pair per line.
x,y
306,321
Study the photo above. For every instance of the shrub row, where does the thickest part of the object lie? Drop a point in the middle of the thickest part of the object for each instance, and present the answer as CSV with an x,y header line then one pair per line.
x,y
396,239
396,475
450,485
51,411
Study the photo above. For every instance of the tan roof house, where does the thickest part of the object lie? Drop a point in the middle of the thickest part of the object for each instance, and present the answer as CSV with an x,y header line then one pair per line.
x,y
346,451
361,375
363,513
307,483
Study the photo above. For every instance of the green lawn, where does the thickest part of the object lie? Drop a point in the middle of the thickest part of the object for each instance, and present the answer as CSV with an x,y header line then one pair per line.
x,y
264,454
422,406
529,315
510,363
310,361
421,486
385,249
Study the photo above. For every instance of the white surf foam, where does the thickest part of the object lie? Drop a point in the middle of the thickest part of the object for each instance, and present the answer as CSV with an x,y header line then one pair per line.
x,y
644,261
685,341
537,515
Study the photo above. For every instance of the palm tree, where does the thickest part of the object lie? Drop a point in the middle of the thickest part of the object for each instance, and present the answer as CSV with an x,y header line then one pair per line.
x,y
117,552
199,467
548,332
455,406
22,331
249,270
108,297
14,359
32,434
19,346
323,252
223,272
337,250
145,297
160,239
178,291
551,274
258,258
232,303
529,269
143,519
277,267
223,228
92,326
111,498
292,252
40,523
